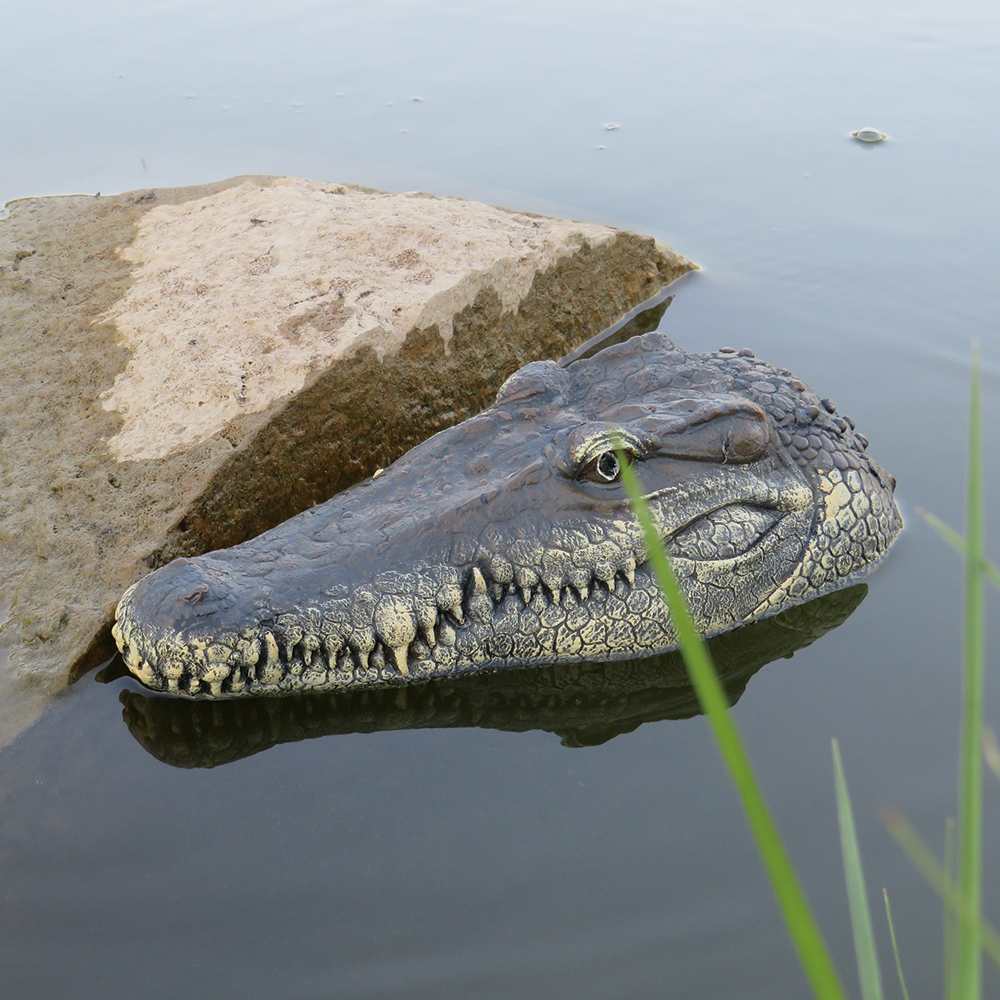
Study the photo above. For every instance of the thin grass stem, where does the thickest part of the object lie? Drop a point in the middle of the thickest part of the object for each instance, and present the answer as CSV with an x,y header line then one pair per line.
x,y
904,991
869,974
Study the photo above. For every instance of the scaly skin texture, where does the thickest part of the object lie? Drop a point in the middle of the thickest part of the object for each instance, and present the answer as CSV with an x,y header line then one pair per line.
x,y
507,540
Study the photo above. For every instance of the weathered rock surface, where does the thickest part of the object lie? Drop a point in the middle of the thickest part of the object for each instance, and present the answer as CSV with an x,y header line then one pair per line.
x,y
184,368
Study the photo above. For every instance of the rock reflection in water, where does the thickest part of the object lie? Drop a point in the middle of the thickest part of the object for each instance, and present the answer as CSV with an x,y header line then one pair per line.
x,y
585,704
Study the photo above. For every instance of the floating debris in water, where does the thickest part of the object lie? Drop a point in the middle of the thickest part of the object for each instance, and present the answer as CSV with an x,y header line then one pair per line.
x,y
869,134
417,100
600,147
612,126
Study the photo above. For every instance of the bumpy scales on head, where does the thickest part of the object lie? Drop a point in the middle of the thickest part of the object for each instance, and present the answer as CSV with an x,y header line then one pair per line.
x,y
507,540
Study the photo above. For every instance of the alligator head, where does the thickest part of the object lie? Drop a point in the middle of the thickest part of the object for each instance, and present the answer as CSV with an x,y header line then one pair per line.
x,y
508,540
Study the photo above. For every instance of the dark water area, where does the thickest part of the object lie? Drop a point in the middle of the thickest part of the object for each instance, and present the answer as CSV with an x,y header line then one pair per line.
x,y
536,841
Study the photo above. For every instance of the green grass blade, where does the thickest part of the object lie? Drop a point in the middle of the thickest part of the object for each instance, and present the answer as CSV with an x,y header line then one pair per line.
x,y
970,861
802,927
949,917
869,975
957,542
934,873
895,947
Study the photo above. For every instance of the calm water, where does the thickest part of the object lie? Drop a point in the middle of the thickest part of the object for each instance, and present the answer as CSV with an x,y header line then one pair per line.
x,y
477,853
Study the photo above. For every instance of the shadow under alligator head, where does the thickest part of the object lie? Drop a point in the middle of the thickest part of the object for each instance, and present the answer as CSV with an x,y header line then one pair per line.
x,y
507,540
585,704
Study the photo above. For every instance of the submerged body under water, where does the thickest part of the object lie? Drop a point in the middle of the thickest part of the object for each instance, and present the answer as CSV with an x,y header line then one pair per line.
x,y
443,842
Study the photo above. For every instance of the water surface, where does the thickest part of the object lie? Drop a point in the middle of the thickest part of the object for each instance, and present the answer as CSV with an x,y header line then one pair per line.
x,y
478,860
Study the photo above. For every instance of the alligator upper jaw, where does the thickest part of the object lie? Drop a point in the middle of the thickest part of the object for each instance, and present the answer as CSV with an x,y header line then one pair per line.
x,y
215,652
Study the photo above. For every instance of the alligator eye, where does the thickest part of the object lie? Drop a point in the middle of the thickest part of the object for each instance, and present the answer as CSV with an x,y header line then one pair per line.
x,y
604,469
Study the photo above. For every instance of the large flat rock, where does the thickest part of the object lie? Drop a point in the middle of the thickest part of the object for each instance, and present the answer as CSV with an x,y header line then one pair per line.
x,y
184,368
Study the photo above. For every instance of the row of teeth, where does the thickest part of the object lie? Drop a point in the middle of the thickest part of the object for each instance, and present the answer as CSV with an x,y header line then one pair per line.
x,y
265,658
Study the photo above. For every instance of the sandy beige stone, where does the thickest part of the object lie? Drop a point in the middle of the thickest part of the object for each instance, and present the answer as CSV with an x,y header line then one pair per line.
x,y
184,368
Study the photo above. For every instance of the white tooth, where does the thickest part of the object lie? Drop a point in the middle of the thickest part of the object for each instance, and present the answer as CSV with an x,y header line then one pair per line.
x,y
402,664
525,594
270,648
310,646
216,688
395,623
250,654
362,641
629,571
478,583
427,619
145,673
553,591
332,644
583,593
271,671
459,614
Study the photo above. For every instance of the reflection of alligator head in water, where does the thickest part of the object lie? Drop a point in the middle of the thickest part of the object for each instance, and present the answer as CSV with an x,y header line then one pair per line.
x,y
584,703
507,540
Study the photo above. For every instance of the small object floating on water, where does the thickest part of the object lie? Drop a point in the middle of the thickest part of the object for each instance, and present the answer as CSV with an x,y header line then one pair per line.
x,y
377,473
417,100
600,147
869,134
612,126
